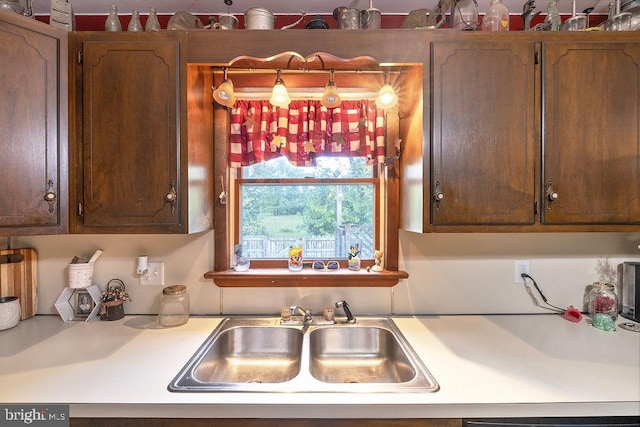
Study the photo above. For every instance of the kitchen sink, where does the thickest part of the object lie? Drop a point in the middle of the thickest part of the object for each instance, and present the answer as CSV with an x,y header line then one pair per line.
x,y
261,355
358,355
251,354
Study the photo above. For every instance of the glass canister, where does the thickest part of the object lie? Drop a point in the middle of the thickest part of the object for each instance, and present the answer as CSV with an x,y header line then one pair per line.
x,y
602,299
174,306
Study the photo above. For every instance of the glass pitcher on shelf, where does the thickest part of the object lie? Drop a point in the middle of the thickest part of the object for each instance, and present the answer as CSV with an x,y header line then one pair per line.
x,y
464,15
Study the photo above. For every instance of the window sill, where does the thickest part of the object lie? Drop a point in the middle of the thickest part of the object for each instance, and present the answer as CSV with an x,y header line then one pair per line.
x,y
278,277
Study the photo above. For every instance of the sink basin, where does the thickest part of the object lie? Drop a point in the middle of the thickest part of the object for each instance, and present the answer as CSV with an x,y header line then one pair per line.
x,y
242,352
251,354
358,355
261,355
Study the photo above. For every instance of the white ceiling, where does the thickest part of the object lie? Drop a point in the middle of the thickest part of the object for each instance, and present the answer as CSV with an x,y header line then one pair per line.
x,y
214,7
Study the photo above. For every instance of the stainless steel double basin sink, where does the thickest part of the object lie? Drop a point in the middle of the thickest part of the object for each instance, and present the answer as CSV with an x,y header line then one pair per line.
x,y
261,355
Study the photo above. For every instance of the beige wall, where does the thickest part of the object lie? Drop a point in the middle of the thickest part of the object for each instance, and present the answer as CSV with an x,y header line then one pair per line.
x,y
448,273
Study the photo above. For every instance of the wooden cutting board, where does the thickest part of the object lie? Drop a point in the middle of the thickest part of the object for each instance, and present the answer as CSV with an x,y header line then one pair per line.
x,y
20,278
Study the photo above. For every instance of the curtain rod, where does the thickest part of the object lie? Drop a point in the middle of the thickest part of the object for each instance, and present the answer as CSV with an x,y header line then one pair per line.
x,y
231,70
308,93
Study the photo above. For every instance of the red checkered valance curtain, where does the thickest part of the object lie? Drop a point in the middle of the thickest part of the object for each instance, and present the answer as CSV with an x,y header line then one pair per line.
x,y
305,130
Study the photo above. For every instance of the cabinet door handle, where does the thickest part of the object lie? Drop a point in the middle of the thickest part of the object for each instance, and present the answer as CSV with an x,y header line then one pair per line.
x,y
172,196
438,195
552,195
50,196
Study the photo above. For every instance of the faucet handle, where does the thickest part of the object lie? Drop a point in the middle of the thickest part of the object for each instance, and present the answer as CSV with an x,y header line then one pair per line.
x,y
285,314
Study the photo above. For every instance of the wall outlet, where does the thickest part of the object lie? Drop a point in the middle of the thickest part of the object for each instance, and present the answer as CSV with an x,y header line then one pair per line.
x,y
522,267
154,274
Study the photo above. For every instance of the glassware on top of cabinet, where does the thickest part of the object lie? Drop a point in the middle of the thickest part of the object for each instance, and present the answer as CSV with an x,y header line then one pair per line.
x,y
152,23
113,22
135,25
464,15
553,16
496,18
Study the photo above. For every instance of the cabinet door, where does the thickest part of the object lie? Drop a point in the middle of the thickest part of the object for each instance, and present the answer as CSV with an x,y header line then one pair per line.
x,y
484,138
131,140
33,127
592,133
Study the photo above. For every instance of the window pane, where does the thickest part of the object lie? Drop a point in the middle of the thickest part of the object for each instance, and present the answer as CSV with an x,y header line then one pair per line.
x,y
328,218
327,167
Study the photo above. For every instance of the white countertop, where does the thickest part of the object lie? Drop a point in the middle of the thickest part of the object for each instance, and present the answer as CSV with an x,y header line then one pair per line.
x,y
486,366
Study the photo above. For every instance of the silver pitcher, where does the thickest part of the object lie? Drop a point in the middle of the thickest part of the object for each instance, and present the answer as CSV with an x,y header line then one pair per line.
x,y
17,7
370,19
348,18
226,21
258,18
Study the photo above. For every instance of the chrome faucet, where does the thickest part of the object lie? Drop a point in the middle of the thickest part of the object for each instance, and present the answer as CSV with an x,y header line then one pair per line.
x,y
343,305
306,314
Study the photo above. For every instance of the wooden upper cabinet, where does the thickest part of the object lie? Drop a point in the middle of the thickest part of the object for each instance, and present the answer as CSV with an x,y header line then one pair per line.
x,y
592,133
131,145
33,127
483,164
530,132
136,154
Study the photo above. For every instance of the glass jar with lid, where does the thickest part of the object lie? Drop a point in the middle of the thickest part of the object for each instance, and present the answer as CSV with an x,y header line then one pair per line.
x,y
602,299
174,306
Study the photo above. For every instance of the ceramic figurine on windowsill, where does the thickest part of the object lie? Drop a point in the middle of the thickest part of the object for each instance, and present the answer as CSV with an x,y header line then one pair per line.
x,y
353,258
377,261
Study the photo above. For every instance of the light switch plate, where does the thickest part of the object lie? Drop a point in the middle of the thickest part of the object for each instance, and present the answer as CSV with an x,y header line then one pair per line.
x,y
154,274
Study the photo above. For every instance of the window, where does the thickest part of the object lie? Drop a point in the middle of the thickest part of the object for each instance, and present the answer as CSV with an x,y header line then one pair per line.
x,y
327,190
328,208
308,176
